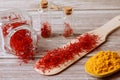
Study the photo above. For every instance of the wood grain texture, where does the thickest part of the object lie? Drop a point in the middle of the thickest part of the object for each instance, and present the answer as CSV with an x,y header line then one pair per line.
x,y
77,4
88,15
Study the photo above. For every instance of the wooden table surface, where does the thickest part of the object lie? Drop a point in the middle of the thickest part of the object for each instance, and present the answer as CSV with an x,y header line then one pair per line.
x,y
89,15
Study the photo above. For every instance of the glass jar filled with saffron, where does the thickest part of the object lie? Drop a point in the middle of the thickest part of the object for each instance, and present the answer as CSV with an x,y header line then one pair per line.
x,y
45,22
68,21
19,38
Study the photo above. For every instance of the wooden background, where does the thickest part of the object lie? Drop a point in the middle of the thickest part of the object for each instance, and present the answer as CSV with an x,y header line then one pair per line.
x,y
89,15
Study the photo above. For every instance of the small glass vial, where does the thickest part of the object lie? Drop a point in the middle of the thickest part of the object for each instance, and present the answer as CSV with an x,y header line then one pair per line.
x,y
45,28
68,21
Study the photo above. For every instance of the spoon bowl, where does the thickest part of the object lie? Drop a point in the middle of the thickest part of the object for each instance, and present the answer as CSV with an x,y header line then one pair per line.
x,y
106,73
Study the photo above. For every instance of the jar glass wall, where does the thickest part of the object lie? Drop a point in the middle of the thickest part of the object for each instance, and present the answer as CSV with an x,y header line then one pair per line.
x,y
19,37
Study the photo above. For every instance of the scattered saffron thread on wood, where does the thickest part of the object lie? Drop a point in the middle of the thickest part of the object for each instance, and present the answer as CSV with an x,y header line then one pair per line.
x,y
59,56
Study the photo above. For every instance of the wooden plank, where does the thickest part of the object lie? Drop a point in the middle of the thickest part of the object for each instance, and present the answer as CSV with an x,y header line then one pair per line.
x,y
89,15
77,4
13,70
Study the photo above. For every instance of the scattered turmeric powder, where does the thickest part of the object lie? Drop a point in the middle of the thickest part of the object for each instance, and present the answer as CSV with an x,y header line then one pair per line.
x,y
103,62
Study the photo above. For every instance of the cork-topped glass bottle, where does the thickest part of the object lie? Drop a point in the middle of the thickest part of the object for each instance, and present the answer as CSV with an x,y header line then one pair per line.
x,y
68,21
45,22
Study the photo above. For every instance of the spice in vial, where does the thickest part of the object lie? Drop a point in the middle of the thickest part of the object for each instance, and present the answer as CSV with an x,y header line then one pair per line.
x,y
45,19
45,30
68,22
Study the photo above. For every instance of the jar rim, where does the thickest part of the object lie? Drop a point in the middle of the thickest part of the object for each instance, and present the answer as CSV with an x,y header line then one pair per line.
x,y
23,27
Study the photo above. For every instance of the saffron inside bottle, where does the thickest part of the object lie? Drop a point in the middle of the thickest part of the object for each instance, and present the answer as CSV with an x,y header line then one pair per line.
x,y
68,22
45,19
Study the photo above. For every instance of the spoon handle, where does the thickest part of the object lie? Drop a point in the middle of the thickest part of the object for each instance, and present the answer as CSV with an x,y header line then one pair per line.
x,y
110,26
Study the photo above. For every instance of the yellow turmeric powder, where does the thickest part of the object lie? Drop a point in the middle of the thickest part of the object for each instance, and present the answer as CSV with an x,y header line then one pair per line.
x,y
103,62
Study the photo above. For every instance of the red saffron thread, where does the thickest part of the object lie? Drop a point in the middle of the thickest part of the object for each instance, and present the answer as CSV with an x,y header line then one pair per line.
x,y
45,30
9,26
68,30
21,44
58,56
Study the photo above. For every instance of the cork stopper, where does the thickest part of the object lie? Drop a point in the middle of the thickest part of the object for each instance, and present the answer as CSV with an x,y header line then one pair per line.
x,y
68,10
44,4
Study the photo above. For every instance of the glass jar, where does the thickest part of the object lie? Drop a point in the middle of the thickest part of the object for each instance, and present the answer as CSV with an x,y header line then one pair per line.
x,y
18,36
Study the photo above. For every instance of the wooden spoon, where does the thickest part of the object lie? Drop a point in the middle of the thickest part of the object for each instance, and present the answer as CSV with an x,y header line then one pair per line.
x,y
102,32
106,74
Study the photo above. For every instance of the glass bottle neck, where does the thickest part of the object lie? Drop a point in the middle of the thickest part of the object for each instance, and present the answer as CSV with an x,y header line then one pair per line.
x,y
67,16
44,9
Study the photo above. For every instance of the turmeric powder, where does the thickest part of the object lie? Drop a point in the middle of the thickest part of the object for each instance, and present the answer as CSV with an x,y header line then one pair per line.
x,y
103,62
